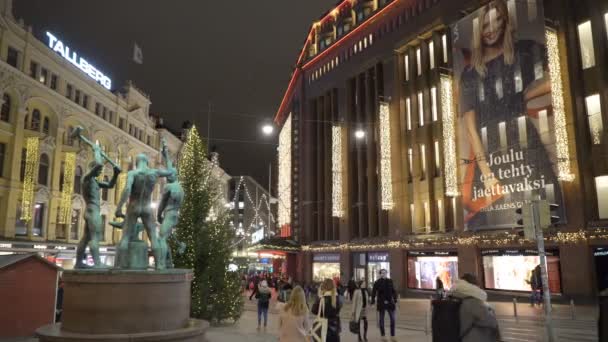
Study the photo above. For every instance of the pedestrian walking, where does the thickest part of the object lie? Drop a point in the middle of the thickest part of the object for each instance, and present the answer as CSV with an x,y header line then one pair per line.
x,y
331,312
359,311
294,321
385,297
263,295
352,286
478,321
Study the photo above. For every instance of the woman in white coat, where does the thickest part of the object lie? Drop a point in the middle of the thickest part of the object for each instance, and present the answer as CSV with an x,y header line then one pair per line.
x,y
360,302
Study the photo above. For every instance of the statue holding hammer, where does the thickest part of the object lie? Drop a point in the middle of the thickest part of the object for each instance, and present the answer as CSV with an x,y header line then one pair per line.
x,y
91,194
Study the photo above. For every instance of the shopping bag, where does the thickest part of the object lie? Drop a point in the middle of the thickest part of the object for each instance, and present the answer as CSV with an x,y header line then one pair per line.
x,y
320,324
354,327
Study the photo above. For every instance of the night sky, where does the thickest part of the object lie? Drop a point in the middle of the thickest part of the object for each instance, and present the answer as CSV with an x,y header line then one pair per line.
x,y
236,56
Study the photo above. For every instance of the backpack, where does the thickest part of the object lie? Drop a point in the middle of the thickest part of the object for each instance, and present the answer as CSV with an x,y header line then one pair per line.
x,y
446,320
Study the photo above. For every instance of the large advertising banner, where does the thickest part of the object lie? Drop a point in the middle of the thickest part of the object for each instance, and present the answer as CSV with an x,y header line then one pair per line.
x,y
506,141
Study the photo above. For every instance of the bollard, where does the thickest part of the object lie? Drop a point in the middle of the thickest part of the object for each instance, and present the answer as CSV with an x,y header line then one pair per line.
x,y
515,309
572,308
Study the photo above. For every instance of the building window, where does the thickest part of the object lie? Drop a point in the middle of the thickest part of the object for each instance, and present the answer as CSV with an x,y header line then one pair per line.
x,y
54,82
74,224
434,103
522,133
43,170
441,215
5,112
148,140
20,225
26,121
437,159
85,101
44,75
104,191
97,108
422,161
585,40
77,180
601,188
104,113
60,228
38,220
22,169
431,55
502,134
77,96
444,47
69,90
102,236
46,125
35,126
121,123
427,215
33,69
410,163
408,110
110,116
594,112
406,67
130,129
12,57
2,156
413,216
418,62
420,110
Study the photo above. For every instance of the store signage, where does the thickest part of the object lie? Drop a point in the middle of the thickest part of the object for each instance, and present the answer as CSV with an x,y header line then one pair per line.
x,y
326,257
507,145
58,46
61,248
601,252
6,245
39,246
516,252
257,236
377,257
432,253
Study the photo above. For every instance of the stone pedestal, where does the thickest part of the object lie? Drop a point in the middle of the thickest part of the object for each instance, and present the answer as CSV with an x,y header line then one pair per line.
x,y
138,255
126,305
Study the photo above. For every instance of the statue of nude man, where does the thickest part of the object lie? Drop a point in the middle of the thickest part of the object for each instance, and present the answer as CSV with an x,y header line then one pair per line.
x,y
92,214
138,191
168,210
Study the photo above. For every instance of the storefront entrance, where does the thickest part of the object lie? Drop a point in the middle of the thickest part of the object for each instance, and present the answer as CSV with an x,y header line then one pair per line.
x,y
511,269
423,269
368,265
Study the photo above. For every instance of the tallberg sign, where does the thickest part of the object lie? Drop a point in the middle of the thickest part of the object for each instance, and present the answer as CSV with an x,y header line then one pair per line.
x,y
58,46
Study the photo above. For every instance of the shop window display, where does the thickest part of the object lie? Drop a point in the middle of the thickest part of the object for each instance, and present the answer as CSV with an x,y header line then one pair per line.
x,y
325,270
423,268
511,270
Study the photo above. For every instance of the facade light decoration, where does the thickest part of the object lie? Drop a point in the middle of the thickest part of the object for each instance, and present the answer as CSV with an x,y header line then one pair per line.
x,y
386,177
557,98
336,171
31,162
65,208
449,137
284,191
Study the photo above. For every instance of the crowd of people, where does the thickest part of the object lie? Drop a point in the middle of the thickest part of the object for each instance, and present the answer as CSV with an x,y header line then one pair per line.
x,y
313,310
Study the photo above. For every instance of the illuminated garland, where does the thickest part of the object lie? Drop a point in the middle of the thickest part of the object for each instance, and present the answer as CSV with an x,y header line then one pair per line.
x,y
559,113
284,183
29,181
449,137
336,171
386,185
65,209
505,239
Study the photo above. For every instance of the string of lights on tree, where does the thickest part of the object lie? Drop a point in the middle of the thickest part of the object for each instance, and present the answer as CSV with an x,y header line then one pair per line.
x,y
29,181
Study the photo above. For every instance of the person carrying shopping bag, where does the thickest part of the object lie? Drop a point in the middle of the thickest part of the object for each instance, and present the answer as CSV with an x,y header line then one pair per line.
x,y
294,322
327,308
359,310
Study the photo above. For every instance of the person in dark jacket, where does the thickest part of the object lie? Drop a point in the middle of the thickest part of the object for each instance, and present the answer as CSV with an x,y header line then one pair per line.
x,y
439,290
352,285
385,297
329,294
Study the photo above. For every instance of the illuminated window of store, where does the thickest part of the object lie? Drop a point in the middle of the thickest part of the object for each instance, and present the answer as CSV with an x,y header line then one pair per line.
x,y
585,40
422,161
601,188
431,55
434,103
413,216
594,113
406,67
38,229
437,159
440,215
410,162
408,110
502,134
418,62
427,216
521,127
444,47
420,110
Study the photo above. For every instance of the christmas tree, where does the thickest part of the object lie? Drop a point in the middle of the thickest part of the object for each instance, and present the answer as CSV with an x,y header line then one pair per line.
x,y
208,240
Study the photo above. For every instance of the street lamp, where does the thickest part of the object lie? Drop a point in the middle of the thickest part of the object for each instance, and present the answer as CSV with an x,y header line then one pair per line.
x,y
267,129
359,134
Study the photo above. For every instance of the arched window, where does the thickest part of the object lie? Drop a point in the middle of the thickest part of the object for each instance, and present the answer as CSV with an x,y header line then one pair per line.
x,y
43,170
5,112
77,180
46,125
104,191
35,126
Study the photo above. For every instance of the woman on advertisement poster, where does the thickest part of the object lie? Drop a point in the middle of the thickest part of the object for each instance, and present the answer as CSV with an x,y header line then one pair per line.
x,y
505,107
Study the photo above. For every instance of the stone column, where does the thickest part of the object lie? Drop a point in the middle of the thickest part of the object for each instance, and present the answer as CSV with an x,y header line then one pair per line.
x,y
14,158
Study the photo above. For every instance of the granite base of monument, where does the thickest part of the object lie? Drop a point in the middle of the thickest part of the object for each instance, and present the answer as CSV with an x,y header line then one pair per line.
x,y
126,305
